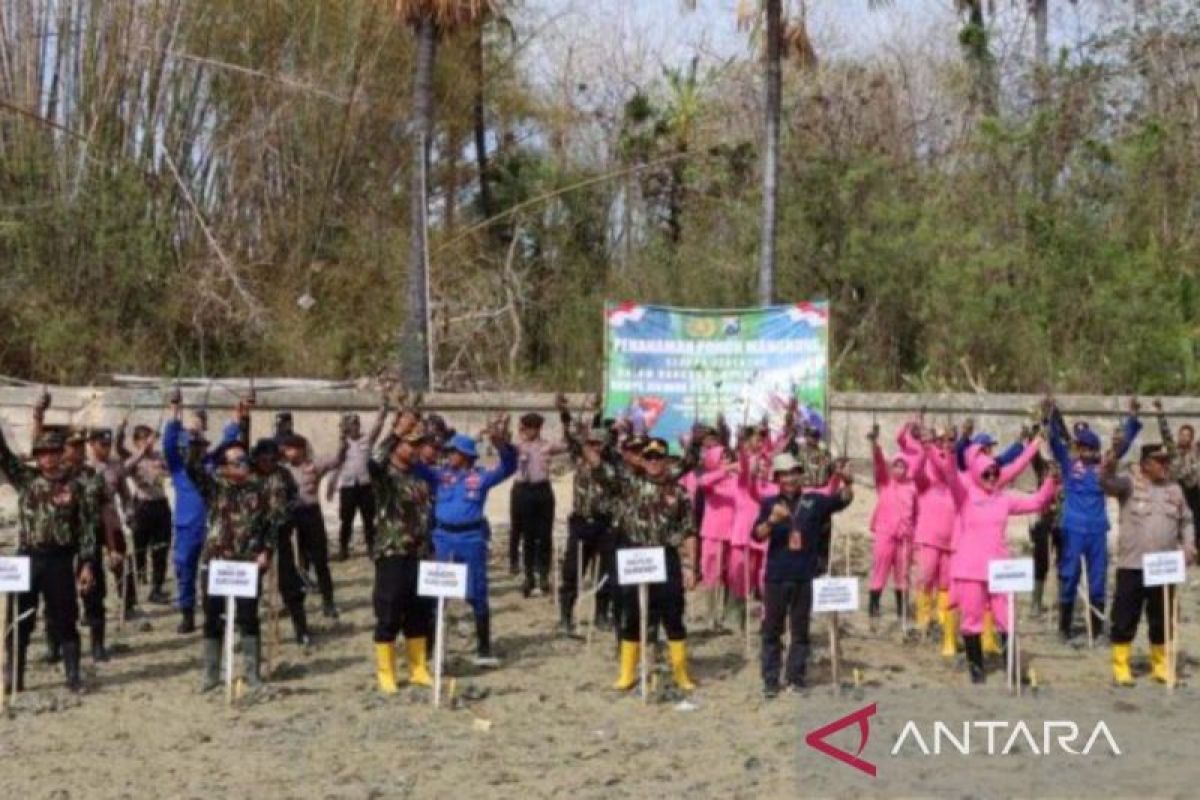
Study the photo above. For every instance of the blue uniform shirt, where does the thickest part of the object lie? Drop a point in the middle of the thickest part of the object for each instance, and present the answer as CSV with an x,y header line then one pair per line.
x,y
1084,507
460,494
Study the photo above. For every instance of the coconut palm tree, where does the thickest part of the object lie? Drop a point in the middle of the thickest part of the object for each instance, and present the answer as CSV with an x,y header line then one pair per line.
x,y
429,19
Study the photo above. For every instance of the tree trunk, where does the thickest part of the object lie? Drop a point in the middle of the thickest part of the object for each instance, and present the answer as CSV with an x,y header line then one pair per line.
x,y
1042,175
481,159
414,336
766,264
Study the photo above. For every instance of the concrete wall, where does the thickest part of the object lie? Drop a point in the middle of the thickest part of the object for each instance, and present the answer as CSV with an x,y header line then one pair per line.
x,y
317,412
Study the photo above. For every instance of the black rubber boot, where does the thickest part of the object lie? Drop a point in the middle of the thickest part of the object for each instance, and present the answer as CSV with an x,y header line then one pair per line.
x,y
53,649
187,621
1039,590
873,603
300,622
974,649
566,626
211,677
70,656
899,603
483,642
1066,612
251,656
99,653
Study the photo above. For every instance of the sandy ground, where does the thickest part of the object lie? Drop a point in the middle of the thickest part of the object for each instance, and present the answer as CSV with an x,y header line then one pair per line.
x,y
546,724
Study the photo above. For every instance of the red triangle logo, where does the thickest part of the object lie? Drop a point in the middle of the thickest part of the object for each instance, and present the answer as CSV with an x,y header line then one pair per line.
x,y
816,739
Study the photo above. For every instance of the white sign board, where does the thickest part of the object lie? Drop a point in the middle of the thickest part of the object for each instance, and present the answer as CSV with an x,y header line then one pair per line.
x,y
641,565
14,574
1010,576
442,579
233,579
1160,569
834,594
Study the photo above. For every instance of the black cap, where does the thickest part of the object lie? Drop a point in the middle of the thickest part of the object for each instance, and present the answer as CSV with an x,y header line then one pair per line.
x,y
265,447
283,416
102,435
294,440
48,442
76,436
656,448
1158,451
635,442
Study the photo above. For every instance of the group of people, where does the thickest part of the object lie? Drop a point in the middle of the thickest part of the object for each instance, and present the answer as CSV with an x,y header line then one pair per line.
x,y
744,514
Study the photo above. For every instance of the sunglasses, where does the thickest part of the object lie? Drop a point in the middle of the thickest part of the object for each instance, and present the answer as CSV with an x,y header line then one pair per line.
x,y
653,457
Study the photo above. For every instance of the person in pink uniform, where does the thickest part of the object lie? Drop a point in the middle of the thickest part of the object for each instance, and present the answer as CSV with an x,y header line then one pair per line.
x,y
936,518
747,555
984,508
892,522
718,481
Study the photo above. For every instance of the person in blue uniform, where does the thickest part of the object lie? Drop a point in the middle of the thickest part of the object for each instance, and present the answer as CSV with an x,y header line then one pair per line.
x,y
461,533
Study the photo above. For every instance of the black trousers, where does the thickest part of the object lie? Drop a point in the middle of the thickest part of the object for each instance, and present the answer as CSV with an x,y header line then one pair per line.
x,y
245,612
1128,603
398,607
532,513
353,500
787,604
313,546
594,539
52,578
93,601
152,539
1045,535
666,604
1192,496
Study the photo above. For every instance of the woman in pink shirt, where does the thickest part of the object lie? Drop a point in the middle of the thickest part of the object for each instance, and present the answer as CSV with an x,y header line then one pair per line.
x,y
936,518
892,522
719,482
981,536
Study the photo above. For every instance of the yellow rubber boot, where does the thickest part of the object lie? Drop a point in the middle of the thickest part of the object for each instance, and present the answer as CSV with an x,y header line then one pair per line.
x,y
385,667
924,610
950,634
1158,663
418,672
630,652
678,651
991,645
1122,675
943,607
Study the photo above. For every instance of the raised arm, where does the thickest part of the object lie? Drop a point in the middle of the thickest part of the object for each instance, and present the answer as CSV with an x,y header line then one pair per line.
x,y
171,446
947,466
1056,430
879,464
1033,503
1016,466
1113,484
1130,429
504,470
909,444
16,472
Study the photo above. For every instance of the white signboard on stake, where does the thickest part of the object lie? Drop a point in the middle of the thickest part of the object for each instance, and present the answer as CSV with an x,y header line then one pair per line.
x,y
1010,575
834,594
14,574
641,565
442,579
1160,569
233,579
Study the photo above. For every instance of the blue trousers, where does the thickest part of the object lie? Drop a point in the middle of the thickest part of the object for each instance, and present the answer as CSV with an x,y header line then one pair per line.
x,y
1090,546
471,549
186,556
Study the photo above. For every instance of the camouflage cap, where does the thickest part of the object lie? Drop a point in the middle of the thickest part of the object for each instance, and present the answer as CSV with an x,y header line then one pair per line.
x,y
102,435
48,442
76,436
637,442
597,434
656,448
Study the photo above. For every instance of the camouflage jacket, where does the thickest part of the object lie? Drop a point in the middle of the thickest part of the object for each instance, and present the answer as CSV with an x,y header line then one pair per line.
x,y
240,519
55,514
106,524
1185,464
817,463
403,514
592,487
282,497
656,513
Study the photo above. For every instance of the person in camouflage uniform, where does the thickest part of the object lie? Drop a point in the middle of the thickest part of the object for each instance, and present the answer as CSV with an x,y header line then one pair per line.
x,y
281,492
658,513
113,473
1185,465
151,513
242,526
590,532
107,534
403,503
57,518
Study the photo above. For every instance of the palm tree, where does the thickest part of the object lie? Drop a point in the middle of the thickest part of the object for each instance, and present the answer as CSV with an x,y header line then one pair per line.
x,y
429,19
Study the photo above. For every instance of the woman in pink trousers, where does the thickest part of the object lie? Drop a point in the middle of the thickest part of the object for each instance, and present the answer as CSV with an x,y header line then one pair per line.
x,y
981,536
892,522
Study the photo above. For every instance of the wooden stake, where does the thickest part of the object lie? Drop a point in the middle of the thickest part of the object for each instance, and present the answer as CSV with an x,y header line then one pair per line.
x,y
644,608
1087,602
229,616
272,617
1168,636
595,604
439,651
3,630
578,575
1176,602
833,652
746,584
1012,641
16,624
555,569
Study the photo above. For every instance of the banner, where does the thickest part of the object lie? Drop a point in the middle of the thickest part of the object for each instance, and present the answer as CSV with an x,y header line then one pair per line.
x,y
667,368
